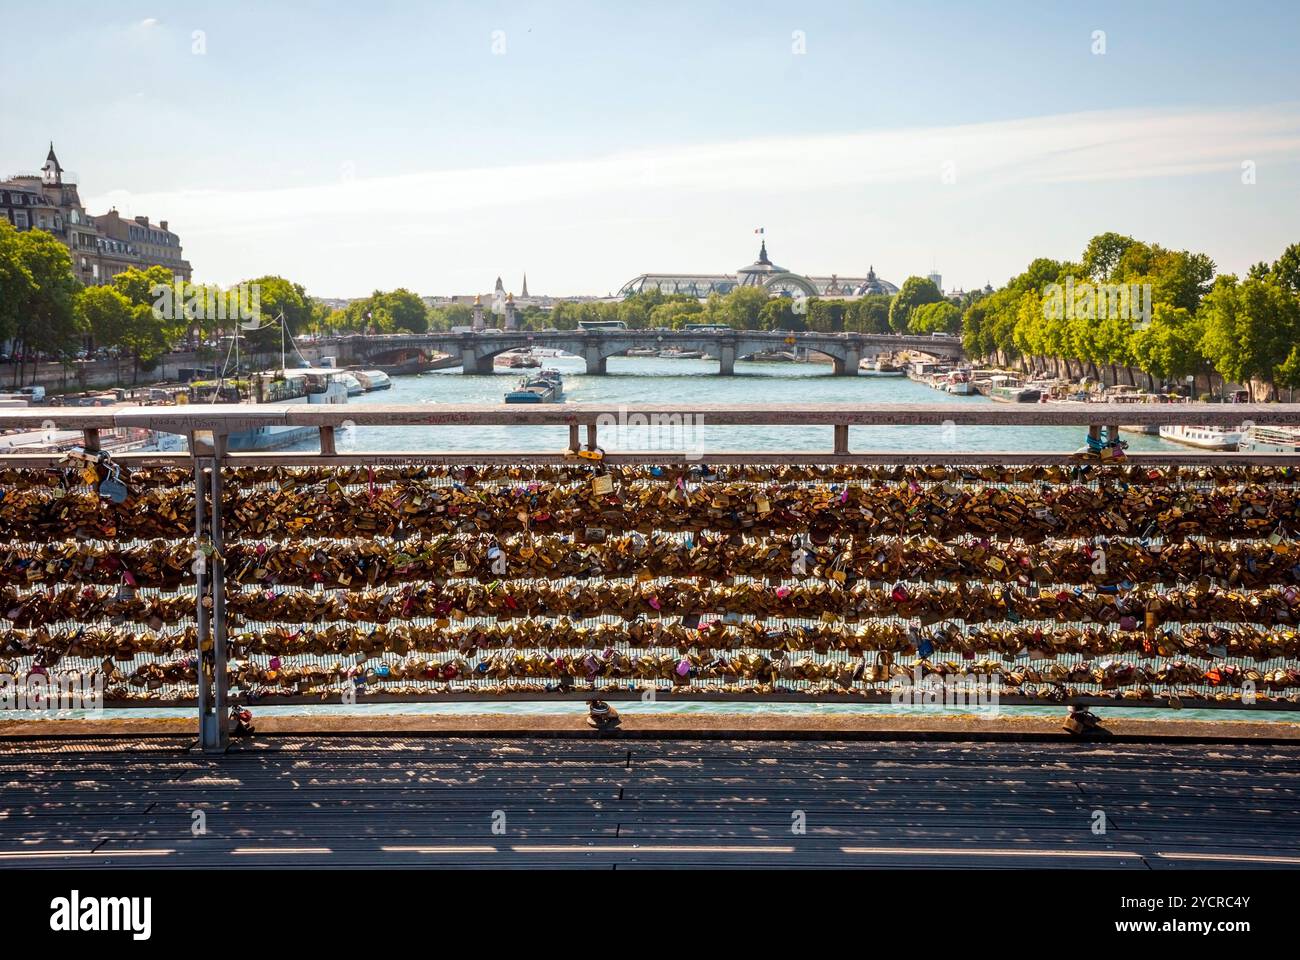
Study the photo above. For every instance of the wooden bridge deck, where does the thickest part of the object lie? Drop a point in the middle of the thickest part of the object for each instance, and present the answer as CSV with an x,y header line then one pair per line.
x,y
400,801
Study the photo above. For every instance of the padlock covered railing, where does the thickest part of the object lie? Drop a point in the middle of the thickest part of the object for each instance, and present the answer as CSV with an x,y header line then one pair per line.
x,y
343,576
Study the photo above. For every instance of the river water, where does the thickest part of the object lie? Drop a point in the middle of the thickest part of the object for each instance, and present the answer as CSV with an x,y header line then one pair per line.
x,y
683,383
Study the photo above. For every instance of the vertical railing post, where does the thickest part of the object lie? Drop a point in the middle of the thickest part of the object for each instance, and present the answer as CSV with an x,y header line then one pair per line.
x,y
213,724
841,438
209,735
221,680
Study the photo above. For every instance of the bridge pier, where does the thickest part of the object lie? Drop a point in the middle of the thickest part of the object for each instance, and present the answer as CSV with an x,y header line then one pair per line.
x,y
727,359
595,362
848,365
472,363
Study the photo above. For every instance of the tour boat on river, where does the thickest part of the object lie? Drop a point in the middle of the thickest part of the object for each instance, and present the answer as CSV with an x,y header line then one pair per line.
x,y
1008,390
544,387
313,385
517,360
1206,438
881,368
1270,440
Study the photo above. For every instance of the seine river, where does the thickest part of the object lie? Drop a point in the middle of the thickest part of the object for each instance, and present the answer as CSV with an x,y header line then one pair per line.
x,y
685,382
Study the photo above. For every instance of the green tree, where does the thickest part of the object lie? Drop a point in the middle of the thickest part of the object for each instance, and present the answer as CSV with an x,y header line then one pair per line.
x,y
868,314
407,310
778,314
915,292
941,317
1250,329
1169,347
742,308
826,316
1102,256
38,310
156,320
105,313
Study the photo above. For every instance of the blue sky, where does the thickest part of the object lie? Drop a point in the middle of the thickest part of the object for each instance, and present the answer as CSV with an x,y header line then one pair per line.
x,y
361,146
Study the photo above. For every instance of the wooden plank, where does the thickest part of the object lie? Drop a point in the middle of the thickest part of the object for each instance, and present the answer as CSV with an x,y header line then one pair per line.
x,y
421,802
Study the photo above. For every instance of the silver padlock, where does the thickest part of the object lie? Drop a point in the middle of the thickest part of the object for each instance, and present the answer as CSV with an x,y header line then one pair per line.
x,y
112,486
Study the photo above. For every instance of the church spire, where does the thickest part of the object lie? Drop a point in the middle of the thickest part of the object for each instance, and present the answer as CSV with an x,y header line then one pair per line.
x,y
52,173
524,291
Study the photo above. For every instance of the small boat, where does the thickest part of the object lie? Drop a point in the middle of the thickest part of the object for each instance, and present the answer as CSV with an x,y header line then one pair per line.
x,y
1206,438
1008,390
642,352
351,383
958,383
373,379
1270,440
517,360
674,353
316,385
881,368
544,387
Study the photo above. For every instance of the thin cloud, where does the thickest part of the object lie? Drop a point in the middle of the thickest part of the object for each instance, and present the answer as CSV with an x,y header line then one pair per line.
x,y
1110,145
452,209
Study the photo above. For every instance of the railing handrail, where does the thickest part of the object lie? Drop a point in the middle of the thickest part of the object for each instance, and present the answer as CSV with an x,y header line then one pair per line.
x,y
224,418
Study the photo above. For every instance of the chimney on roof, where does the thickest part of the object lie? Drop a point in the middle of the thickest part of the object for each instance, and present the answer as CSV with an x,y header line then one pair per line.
x,y
163,224
143,221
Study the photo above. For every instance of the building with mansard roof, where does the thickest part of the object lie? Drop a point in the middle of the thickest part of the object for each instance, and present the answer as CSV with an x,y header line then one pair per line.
x,y
102,246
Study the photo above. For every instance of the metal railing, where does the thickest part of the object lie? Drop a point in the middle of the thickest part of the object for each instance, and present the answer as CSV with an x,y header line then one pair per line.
x,y
340,576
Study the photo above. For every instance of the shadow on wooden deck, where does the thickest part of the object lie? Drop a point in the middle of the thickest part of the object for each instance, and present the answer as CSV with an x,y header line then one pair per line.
x,y
421,802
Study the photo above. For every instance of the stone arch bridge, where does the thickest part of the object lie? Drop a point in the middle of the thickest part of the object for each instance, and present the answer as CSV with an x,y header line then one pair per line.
x,y
477,351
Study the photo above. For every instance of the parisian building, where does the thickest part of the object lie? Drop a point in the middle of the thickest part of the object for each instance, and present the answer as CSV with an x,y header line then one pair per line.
x,y
761,273
101,246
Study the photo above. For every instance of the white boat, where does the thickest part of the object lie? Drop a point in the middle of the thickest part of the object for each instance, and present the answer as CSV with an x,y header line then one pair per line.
x,y
958,384
351,383
310,384
1206,438
881,368
373,379
1270,440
